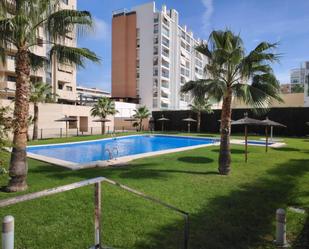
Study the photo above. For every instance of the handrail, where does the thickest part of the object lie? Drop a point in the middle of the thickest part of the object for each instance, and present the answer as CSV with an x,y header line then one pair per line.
x,y
47,192
97,218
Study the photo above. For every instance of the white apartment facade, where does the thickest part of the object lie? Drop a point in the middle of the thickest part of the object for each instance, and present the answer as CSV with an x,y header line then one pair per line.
x,y
165,57
301,76
61,77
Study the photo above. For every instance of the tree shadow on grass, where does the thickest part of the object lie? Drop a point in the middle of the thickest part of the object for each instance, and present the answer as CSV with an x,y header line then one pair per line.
x,y
286,149
302,241
240,220
195,159
233,151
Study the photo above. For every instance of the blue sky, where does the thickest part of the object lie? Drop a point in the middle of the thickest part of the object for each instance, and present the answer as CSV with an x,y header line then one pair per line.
x,y
284,21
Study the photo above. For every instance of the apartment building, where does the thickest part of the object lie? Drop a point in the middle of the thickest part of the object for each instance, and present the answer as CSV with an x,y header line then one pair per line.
x,y
87,95
301,76
152,57
62,77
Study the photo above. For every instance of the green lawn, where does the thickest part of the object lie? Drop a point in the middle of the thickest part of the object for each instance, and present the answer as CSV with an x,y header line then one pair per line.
x,y
226,212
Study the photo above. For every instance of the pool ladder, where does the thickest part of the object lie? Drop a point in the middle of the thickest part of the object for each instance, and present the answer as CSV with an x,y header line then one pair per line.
x,y
112,153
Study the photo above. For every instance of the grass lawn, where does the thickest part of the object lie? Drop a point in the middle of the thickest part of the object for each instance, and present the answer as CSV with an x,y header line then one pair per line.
x,y
226,212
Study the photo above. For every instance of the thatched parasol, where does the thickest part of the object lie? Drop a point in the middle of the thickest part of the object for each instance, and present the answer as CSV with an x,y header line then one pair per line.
x,y
269,123
102,121
163,119
189,120
247,122
66,119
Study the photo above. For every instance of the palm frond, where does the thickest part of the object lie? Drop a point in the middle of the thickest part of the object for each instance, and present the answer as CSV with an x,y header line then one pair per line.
x,y
72,55
65,21
37,61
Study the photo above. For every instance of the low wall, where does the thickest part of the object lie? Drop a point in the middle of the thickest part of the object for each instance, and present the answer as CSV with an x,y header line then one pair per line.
x,y
294,118
50,112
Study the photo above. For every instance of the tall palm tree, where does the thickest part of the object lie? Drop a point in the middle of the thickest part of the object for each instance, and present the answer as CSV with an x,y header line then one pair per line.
x,y
199,106
104,107
141,113
20,22
40,93
231,73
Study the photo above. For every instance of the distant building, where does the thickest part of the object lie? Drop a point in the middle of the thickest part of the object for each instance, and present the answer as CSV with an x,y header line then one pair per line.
x,y
152,57
88,95
61,76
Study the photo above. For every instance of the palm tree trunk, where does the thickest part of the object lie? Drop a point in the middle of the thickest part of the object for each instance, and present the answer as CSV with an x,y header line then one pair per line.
x,y
140,124
35,121
18,165
103,128
198,121
225,130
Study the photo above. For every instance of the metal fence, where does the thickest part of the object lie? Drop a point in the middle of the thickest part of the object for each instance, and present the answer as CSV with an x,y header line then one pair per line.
x,y
98,243
45,133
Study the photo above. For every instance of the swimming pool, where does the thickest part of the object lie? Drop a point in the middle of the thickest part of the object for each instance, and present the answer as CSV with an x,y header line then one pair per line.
x,y
106,149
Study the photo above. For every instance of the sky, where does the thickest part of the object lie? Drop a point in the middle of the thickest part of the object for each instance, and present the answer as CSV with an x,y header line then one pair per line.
x,y
283,21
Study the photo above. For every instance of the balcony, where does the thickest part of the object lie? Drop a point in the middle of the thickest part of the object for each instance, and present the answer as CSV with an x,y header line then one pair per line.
x,y
165,73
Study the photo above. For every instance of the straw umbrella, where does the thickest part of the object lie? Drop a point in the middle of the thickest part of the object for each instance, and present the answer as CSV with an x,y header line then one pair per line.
x,y
66,119
102,121
189,120
163,119
247,122
267,122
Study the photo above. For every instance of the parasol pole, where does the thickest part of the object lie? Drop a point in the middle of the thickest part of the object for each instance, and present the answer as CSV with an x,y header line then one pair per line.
x,y
189,124
162,125
246,143
266,133
66,128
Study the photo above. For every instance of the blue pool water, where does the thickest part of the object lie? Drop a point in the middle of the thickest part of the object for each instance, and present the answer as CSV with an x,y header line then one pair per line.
x,y
91,151
259,143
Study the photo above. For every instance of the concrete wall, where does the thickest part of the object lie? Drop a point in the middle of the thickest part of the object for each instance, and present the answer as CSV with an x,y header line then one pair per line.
x,y
50,112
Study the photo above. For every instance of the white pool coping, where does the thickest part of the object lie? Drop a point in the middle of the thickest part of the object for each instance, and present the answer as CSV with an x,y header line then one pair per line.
x,y
125,159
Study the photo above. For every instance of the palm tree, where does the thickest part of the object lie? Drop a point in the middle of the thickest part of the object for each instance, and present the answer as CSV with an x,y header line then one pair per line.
x,y
200,103
20,22
198,106
141,113
104,107
40,93
231,73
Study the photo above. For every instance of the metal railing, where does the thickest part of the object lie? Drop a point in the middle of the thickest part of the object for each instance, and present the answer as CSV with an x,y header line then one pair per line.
x,y
45,133
98,243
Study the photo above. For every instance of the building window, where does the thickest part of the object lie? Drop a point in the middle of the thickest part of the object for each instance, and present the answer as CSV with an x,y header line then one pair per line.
x,y
11,78
138,43
156,40
39,42
165,41
165,52
156,28
155,50
11,57
60,86
155,61
65,1
69,88
155,72
165,31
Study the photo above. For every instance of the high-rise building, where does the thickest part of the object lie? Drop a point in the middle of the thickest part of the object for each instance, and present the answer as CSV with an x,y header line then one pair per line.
x,y
62,77
298,75
301,76
152,57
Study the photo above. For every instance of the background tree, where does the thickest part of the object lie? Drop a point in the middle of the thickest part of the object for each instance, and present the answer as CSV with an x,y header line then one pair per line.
x,y
40,93
104,107
20,21
233,73
141,113
200,103
199,106
5,127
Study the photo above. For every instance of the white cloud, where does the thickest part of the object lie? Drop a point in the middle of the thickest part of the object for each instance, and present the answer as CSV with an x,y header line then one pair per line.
x,y
102,30
209,9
